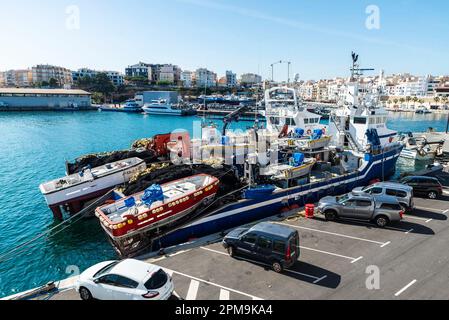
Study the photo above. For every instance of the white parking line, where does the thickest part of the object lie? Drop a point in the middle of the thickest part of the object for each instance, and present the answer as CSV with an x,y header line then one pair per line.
x,y
405,288
331,254
385,244
335,234
418,218
193,290
410,231
215,251
224,294
266,265
212,284
356,260
445,211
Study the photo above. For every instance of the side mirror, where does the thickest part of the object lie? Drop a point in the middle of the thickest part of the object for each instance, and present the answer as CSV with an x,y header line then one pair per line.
x,y
97,281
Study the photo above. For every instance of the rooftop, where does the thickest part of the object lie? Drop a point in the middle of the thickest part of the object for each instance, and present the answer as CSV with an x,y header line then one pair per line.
x,y
41,91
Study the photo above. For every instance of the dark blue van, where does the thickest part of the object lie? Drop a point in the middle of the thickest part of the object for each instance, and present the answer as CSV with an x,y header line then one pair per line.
x,y
269,243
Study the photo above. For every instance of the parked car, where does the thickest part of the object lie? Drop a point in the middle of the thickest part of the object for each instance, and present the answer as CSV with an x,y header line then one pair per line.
x,y
380,209
402,192
429,187
269,243
124,280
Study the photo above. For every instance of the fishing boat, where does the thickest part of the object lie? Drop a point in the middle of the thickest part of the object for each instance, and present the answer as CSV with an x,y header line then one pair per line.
x,y
73,190
130,223
277,174
164,107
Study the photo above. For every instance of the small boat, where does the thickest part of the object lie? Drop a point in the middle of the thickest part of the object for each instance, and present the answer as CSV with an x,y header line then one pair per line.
x,y
89,184
423,111
130,106
416,148
133,220
297,167
163,107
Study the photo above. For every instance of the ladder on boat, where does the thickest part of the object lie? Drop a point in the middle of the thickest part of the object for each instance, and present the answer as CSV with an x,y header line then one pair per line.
x,y
352,144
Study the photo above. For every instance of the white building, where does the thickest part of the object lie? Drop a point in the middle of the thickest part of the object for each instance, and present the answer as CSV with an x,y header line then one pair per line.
x,y
250,79
205,78
231,79
187,78
44,73
116,78
168,73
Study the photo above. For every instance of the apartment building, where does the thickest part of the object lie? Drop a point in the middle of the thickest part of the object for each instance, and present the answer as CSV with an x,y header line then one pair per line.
x,y
231,79
44,73
205,78
116,77
250,79
139,70
187,78
16,78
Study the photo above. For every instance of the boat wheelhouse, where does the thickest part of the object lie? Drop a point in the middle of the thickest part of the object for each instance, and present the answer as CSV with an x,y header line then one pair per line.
x,y
89,184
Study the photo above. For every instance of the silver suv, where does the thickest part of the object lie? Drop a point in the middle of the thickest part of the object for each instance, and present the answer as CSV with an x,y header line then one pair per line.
x,y
380,209
402,192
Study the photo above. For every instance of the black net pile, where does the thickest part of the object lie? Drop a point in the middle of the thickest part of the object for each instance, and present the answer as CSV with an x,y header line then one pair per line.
x,y
228,181
97,160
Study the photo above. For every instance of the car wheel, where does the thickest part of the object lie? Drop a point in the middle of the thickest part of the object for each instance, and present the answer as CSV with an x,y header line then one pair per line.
x,y
231,251
85,294
432,195
382,221
330,215
277,267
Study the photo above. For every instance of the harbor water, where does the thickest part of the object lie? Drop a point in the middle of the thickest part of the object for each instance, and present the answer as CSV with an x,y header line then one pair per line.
x,y
34,148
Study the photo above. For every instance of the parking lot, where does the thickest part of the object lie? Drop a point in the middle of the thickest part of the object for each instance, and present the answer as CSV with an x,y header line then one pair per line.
x,y
336,261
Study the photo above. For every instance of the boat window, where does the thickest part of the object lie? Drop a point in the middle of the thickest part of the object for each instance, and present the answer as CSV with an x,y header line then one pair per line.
x,y
264,243
306,121
291,122
379,120
372,120
250,238
157,280
274,120
359,120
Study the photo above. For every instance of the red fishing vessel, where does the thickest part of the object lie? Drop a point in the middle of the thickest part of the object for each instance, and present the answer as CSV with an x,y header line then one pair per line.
x,y
131,223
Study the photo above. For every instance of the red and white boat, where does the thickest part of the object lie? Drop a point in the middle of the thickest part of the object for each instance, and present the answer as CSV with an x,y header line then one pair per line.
x,y
132,221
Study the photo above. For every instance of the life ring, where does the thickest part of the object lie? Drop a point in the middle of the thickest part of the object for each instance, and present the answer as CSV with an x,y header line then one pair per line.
x,y
309,132
391,139
324,131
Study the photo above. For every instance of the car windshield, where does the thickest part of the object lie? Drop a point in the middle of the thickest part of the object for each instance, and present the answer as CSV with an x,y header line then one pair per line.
x,y
157,280
342,199
106,269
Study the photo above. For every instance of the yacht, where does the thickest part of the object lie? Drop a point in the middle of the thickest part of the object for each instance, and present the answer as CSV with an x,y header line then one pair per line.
x,y
163,107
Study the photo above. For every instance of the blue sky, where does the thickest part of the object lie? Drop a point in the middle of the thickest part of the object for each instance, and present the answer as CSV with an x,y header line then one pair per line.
x,y
317,36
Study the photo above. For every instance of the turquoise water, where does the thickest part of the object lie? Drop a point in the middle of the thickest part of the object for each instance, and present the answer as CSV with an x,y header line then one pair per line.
x,y
34,147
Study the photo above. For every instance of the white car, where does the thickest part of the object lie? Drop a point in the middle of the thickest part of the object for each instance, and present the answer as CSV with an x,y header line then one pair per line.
x,y
124,280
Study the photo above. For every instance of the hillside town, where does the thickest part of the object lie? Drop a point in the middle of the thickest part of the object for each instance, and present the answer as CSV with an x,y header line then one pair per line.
x,y
400,91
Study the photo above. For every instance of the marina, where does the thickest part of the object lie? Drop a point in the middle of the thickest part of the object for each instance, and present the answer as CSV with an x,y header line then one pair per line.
x,y
86,238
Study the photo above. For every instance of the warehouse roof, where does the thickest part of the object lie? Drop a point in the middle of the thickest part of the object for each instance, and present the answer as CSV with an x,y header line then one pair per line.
x,y
41,91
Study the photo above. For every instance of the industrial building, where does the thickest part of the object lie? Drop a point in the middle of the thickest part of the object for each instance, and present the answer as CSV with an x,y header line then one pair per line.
x,y
20,99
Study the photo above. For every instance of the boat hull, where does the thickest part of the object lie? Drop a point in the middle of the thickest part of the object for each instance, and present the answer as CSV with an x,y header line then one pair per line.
x,y
246,211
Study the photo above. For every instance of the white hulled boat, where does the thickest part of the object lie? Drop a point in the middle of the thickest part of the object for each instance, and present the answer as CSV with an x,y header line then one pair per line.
x,y
89,184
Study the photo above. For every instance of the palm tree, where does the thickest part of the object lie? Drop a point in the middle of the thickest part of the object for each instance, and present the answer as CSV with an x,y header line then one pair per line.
x,y
436,99
408,99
